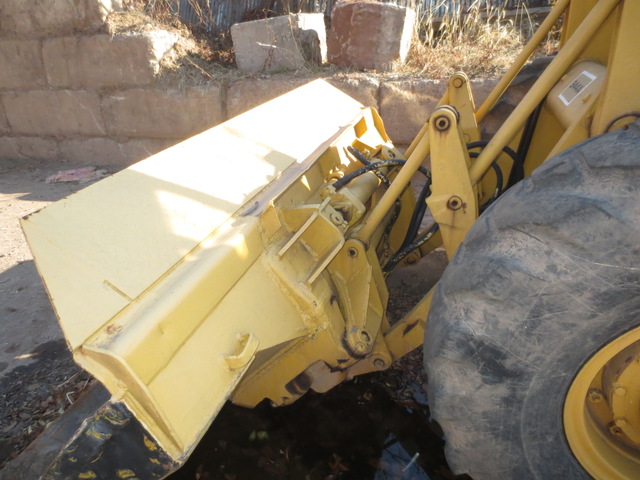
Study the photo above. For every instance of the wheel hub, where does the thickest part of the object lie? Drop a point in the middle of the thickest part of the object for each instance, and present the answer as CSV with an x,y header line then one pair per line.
x,y
602,411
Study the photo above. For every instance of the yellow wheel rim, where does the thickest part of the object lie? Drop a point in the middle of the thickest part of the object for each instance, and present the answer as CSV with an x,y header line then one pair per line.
x,y
602,411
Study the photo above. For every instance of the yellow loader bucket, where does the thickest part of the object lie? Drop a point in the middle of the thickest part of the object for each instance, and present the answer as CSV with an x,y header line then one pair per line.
x,y
172,277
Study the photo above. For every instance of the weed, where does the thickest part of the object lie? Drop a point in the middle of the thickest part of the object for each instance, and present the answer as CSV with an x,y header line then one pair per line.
x,y
478,39
470,36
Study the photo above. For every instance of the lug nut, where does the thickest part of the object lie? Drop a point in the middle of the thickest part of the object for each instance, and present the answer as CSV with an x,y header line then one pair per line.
x,y
615,429
620,390
621,422
595,395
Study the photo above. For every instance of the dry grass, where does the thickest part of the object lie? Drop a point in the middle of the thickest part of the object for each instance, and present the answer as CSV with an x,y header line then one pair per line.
x,y
197,58
480,40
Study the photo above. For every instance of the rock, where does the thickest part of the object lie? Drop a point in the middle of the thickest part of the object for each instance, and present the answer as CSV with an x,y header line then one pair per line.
x,y
288,42
405,106
105,151
162,113
369,35
54,112
34,148
243,95
105,60
21,64
39,18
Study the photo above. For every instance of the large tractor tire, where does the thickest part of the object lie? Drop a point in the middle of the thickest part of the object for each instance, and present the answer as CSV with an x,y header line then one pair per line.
x,y
532,346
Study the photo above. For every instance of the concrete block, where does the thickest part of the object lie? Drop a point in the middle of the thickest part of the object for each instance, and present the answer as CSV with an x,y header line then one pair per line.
x,y
4,123
244,95
21,64
41,18
59,112
152,113
28,148
361,87
141,148
369,35
288,42
102,151
482,87
106,61
406,105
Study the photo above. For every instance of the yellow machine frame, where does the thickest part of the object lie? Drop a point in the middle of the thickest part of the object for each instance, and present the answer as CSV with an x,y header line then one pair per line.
x,y
273,287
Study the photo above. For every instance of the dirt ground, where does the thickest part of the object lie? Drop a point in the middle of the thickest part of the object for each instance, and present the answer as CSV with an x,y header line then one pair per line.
x,y
38,378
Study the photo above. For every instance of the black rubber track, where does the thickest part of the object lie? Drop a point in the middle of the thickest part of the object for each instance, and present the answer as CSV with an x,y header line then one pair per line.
x,y
546,276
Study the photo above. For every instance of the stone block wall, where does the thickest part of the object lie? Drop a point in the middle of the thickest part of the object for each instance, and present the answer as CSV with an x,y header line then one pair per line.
x,y
70,92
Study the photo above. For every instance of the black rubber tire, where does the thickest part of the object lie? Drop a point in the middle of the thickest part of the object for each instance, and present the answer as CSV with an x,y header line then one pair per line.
x,y
546,277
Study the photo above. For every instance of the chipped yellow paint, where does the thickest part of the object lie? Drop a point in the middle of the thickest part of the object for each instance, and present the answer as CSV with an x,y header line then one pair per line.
x,y
149,444
154,460
89,474
125,474
95,460
99,435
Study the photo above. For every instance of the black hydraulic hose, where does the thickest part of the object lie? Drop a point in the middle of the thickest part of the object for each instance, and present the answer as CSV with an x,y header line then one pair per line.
x,y
498,172
373,166
365,161
517,161
397,207
417,216
518,164
421,206
403,252
525,143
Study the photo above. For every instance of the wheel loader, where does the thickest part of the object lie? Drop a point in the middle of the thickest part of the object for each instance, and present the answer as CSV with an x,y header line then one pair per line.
x,y
248,263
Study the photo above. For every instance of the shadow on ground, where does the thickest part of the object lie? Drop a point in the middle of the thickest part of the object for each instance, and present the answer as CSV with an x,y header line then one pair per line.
x,y
359,430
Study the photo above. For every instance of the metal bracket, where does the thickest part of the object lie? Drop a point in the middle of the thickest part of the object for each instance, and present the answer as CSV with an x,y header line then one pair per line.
x,y
453,201
359,299
461,98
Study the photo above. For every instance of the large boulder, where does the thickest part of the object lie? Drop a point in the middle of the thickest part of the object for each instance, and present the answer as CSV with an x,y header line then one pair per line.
x,y
288,42
369,35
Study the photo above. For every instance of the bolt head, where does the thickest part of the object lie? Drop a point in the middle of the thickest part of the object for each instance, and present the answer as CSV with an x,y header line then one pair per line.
x,y
379,363
454,203
360,347
364,336
336,218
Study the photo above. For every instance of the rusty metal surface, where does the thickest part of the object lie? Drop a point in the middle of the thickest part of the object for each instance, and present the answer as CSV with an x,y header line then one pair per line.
x,y
219,15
